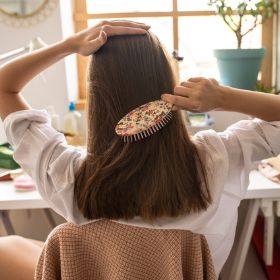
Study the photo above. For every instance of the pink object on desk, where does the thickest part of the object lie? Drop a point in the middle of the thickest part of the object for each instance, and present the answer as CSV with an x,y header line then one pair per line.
x,y
24,183
270,168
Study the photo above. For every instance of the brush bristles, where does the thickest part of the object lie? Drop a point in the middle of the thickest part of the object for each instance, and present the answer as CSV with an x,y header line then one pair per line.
x,y
150,131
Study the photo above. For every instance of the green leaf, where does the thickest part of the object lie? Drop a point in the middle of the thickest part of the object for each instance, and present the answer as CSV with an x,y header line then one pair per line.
x,y
261,10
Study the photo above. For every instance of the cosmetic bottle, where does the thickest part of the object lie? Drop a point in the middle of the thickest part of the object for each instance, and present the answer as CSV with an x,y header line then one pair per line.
x,y
72,121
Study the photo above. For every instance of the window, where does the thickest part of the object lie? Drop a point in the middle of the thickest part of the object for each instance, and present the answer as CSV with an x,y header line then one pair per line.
x,y
188,26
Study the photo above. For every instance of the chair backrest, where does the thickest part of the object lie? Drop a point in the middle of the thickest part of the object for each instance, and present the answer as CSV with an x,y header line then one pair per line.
x,y
107,250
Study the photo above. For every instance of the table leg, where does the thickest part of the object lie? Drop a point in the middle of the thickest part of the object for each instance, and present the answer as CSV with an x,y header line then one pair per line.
x,y
245,239
4,217
277,209
267,209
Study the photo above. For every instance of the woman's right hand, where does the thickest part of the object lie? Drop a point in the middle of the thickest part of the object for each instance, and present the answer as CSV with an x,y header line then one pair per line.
x,y
91,39
201,95
196,95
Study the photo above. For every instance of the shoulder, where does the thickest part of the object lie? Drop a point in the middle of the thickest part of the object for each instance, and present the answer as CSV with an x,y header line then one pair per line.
x,y
210,146
209,140
214,156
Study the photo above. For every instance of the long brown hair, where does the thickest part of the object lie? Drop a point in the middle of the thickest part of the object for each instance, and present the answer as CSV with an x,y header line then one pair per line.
x,y
161,175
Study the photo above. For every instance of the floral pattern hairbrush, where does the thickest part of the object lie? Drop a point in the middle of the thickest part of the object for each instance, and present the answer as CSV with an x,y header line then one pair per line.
x,y
145,120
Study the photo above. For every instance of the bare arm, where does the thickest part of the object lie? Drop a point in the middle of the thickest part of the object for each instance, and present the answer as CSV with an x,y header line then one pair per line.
x,y
256,104
16,74
203,95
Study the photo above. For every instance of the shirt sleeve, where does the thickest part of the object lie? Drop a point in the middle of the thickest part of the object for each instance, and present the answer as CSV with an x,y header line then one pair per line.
x,y
235,151
44,154
247,142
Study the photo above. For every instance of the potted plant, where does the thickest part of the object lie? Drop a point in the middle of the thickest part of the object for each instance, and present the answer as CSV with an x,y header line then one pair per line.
x,y
240,67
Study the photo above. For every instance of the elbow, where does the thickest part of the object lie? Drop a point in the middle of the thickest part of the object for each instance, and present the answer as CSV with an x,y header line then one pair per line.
x,y
7,82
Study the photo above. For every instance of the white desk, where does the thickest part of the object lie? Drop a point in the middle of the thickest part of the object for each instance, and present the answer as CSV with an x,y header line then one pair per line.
x,y
12,200
261,187
262,195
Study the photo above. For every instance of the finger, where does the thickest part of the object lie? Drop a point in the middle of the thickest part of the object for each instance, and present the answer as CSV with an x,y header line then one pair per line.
x,y
128,23
182,91
176,108
214,81
176,100
196,79
188,84
99,41
125,23
120,30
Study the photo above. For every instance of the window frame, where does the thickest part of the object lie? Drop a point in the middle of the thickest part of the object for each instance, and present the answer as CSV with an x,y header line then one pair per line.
x,y
81,17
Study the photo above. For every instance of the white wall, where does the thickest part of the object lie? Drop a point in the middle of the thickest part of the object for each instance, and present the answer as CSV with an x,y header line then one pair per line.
x,y
51,89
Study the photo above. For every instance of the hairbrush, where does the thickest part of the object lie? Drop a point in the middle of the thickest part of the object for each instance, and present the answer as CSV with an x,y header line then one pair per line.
x,y
144,121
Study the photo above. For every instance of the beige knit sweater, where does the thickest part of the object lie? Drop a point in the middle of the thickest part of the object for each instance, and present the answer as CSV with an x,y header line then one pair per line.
x,y
107,250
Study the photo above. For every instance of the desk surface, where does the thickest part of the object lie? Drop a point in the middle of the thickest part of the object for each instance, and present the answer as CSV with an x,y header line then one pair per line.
x,y
11,199
259,187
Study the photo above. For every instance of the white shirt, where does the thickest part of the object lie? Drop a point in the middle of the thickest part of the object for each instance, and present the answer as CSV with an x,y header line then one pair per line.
x,y
44,154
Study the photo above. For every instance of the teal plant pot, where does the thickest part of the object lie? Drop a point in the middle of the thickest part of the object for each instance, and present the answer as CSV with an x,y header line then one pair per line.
x,y
239,68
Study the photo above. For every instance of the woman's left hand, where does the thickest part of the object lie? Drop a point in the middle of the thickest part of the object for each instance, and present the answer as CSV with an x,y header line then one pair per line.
x,y
86,42
91,39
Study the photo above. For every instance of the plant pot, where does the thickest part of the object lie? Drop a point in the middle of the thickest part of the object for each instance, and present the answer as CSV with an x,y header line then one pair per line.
x,y
239,68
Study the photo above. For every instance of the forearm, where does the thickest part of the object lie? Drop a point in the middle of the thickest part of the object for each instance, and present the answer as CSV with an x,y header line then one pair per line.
x,y
16,74
256,104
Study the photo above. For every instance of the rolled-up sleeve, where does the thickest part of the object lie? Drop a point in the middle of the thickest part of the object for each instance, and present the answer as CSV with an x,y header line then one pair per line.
x,y
44,154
